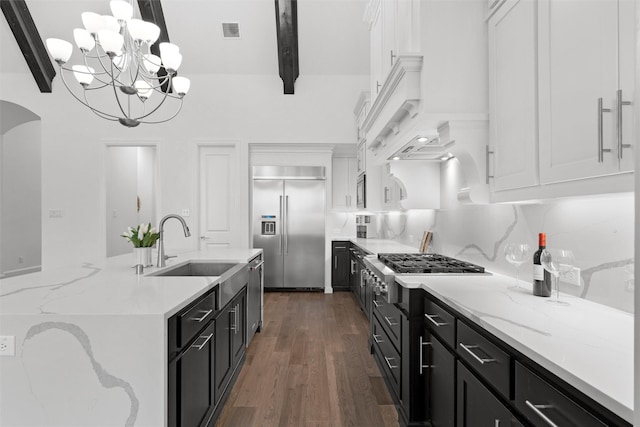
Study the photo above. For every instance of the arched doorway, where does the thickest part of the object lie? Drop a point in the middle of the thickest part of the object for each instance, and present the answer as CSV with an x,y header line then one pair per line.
x,y
20,190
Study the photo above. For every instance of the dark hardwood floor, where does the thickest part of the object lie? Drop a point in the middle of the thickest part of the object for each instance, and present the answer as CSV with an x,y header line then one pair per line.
x,y
310,366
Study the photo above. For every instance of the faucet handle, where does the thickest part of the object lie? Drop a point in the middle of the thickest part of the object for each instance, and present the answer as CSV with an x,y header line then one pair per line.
x,y
170,256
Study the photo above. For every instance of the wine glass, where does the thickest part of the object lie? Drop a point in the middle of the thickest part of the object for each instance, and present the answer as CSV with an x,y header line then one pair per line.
x,y
557,262
517,254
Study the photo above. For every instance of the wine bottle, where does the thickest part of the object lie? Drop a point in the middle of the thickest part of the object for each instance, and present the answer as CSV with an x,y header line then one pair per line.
x,y
541,277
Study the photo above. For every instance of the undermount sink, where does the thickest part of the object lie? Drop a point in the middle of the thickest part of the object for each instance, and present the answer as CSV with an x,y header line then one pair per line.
x,y
198,269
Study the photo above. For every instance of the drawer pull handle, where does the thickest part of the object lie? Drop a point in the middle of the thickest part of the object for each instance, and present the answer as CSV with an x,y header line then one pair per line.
x,y
421,366
468,348
377,304
257,266
434,321
538,412
200,319
390,321
377,339
206,340
387,359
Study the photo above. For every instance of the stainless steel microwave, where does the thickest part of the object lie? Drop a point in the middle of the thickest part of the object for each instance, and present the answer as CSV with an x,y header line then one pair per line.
x,y
361,192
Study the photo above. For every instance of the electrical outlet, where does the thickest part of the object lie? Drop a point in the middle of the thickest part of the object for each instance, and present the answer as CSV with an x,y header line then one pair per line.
x,y
186,212
55,213
572,277
7,345
20,260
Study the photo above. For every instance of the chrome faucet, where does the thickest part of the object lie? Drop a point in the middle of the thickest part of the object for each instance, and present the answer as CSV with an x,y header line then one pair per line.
x,y
161,256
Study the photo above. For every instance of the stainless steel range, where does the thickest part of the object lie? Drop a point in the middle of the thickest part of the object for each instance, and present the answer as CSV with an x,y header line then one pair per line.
x,y
381,270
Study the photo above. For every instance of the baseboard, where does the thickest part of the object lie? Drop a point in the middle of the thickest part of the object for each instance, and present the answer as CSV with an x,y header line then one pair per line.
x,y
20,271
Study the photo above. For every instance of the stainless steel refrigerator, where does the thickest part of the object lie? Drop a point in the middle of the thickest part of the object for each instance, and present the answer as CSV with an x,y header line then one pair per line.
x,y
289,225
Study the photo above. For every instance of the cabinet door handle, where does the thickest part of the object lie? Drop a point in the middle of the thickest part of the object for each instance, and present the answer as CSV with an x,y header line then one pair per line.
x,y
434,321
468,348
620,103
377,304
487,153
392,57
422,345
201,346
388,360
377,86
204,316
353,267
389,322
335,262
377,339
601,149
233,326
237,326
537,410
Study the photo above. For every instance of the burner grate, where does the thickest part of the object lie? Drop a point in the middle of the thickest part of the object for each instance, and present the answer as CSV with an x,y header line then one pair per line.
x,y
427,263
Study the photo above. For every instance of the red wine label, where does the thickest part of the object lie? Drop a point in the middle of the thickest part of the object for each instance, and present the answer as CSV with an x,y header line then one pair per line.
x,y
538,272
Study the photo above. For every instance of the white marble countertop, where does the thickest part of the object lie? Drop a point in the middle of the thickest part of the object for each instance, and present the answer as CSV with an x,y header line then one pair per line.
x,y
588,345
111,287
379,246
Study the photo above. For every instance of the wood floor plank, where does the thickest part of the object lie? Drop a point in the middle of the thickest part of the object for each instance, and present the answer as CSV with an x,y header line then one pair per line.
x,y
310,366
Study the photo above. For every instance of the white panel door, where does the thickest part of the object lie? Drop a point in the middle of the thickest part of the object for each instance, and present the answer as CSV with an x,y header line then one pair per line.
x,y
513,95
577,66
220,219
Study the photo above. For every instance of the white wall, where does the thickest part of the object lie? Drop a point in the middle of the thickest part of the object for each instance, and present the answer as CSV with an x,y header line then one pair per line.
x,y
248,109
20,209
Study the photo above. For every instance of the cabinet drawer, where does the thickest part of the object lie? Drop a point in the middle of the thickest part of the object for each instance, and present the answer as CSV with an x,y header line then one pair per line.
x,y
440,322
388,357
544,405
196,317
389,317
485,357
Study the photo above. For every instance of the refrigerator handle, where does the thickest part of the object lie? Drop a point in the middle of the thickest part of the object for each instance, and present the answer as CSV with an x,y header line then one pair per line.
x,y
281,229
286,221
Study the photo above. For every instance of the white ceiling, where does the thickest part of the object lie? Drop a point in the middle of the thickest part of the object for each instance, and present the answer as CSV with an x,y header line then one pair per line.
x,y
332,36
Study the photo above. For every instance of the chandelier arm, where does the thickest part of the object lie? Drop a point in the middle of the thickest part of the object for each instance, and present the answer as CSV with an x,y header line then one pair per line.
x,y
159,85
166,120
157,106
86,103
115,93
105,72
114,77
99,113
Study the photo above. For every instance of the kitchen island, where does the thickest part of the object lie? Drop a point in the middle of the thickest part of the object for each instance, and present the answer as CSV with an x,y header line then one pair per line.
x,y
91,341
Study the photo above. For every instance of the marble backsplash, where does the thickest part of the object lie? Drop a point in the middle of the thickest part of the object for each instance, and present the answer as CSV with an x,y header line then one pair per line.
x,y
599,230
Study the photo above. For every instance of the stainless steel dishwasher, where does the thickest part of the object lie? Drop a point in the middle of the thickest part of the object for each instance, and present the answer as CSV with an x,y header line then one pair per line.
x,y
254,297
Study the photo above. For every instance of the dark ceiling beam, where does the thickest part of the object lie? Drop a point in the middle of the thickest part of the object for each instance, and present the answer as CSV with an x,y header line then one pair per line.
x,y
287,31
28,38
151,11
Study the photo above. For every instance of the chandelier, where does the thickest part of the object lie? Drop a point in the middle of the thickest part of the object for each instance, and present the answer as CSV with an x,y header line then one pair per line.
x,y
117,57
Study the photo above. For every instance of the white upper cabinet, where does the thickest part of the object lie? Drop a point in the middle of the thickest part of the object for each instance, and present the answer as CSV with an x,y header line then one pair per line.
x,y
513,96
344,183
375,31
586,63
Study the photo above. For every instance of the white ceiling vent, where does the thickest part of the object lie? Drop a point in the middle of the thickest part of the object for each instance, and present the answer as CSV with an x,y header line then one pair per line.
x,y
231,30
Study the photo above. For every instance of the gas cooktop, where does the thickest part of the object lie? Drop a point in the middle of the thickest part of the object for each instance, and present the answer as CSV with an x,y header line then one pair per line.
x,y
427,263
